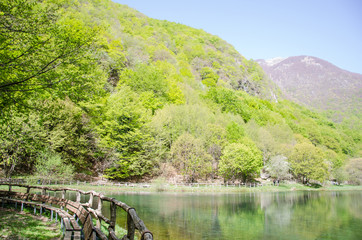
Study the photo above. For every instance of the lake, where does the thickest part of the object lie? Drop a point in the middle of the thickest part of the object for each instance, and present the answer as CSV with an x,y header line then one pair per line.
x,y
282,215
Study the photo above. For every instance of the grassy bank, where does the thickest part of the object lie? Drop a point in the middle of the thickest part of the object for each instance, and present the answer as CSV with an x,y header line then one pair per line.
x,y
165,187
32,227
159,187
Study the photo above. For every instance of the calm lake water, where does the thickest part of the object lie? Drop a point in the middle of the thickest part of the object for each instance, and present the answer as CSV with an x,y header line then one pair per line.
x,y
292,215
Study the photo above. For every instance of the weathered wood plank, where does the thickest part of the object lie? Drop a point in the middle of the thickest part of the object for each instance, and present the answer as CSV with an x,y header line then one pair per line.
x,y
74,204
76,235
20,195
75,224
78,213
68,226
68,235
84,211
88,228
100,234
82,218
71,208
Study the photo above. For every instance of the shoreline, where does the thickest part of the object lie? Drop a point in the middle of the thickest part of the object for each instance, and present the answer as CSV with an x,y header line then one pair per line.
x,y
156,188
170,188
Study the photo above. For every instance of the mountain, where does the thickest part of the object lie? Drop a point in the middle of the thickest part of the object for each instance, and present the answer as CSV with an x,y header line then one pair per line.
x,y
316,83
146,98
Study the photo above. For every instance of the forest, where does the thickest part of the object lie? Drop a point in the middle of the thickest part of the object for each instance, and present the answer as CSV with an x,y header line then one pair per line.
x,y
92,88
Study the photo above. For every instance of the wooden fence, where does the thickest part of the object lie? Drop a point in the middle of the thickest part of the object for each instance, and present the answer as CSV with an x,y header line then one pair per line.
x,y
81,211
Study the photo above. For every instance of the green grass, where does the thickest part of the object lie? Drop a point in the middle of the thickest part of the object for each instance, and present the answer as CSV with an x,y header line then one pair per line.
x,y
16,225
164,187
109,190
120,232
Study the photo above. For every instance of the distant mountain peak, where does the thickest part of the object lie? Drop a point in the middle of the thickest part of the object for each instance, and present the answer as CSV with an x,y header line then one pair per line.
x,y
315,82
273,61
311,61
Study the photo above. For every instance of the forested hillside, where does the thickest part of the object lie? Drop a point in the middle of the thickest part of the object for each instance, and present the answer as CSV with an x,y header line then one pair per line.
x,y
99,89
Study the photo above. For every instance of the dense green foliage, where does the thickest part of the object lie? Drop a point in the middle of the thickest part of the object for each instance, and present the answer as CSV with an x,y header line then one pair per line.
x,y
240,161
189,155
125,96
307,162
40,49
50,166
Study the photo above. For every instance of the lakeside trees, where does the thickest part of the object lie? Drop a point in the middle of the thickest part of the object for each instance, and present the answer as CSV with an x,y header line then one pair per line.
x,y
190,157
142,93
307,162
240,161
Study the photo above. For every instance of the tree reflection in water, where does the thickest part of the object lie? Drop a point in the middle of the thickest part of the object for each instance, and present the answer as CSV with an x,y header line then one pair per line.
x,y
289,215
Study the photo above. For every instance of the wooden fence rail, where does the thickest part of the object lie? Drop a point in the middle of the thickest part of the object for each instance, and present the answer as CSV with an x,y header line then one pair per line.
x,y
83,211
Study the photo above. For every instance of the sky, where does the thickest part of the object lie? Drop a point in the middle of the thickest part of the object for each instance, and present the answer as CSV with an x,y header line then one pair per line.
x,y
264,29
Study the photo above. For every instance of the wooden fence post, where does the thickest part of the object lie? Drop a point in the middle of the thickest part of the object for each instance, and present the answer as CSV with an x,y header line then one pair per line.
x,y
99,209
113,209
100,201
130,226
90,200
78,197
43,192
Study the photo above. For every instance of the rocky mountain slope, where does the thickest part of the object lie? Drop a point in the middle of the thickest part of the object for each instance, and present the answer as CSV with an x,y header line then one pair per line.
x,y
316,83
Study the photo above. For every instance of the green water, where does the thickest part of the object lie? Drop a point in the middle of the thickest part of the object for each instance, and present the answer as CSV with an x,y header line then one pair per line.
x,y
292,215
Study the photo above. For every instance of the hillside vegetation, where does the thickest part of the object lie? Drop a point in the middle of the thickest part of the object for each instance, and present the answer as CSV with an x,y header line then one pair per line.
x,y
99,89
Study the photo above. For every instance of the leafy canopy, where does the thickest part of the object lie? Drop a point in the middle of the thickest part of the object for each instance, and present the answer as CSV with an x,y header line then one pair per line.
x,y
240,161
39,50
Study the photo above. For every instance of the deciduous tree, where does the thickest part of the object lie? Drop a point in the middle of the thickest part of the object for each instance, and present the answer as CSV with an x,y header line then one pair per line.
x,y
278,167
240,161
308,163
49,166
122,128
189,156
35,43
